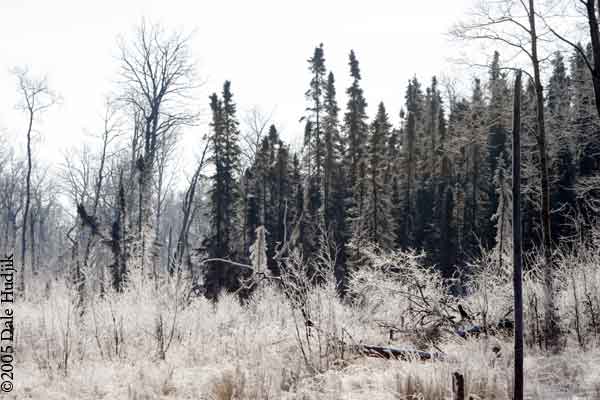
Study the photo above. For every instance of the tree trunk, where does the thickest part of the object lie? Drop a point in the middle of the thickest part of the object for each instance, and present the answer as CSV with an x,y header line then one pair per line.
x,y
517,256
98,188
32,244
595,39
27,202
458,386
550,317
188,216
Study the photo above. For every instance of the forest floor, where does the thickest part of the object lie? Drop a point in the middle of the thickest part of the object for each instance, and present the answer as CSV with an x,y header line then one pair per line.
x,y
260,350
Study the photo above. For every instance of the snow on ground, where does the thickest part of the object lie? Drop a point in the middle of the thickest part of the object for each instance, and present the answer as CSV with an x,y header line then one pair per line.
x,y
260,350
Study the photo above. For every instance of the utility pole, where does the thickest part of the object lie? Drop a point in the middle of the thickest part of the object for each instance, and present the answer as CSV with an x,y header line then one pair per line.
x,y
517,249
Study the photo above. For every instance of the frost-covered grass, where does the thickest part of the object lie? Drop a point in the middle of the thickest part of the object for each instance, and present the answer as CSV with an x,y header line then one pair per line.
x,y
158,343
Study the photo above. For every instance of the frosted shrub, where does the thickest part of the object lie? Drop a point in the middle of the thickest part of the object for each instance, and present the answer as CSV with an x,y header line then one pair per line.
x,y
489,293
489,289
579,294
395,287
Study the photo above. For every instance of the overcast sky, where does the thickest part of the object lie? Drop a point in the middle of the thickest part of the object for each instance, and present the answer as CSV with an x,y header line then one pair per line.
x,y
261,46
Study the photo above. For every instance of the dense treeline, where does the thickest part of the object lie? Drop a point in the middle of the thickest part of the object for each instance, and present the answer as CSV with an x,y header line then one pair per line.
x,y
440,181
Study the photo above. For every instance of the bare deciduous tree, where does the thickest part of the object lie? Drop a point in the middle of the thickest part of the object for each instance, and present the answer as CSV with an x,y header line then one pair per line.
x,y
11,190
158,77
36,97
256,123
591,13
514,24
188,210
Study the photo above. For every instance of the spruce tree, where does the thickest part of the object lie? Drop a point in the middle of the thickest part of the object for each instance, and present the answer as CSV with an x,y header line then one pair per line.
x,y
530,171
224,194
355,137
477,174
497,115
562,196
428,205
458,127
314,128
332,156
585,125
410,157
502,217
497,121
314,155
379,224
335,182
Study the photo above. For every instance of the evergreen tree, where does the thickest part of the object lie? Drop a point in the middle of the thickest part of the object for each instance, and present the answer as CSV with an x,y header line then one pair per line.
x,y
334,182
314,127
410,157
314,155
583,120
393,178
477,175
379,224
497,115
224,193
280,195
562,195
428,205
530,171
356,132
297,187
332,156
251,207
446,223
586,131
457,139
503,215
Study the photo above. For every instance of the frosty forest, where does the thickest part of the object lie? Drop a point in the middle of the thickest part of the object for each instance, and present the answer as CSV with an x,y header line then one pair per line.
x,y
370,254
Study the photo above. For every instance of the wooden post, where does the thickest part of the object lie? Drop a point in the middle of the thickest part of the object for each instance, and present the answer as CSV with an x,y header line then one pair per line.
x,y
458,386
517,250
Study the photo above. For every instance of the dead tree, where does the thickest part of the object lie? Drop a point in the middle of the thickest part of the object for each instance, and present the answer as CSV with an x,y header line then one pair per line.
x,y
35,98
498,22
188,211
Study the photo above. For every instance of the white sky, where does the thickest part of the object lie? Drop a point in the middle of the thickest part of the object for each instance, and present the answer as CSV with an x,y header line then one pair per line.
x,y
260,45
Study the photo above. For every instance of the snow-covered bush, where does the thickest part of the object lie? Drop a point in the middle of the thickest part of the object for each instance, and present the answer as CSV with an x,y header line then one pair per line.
x,y
395,287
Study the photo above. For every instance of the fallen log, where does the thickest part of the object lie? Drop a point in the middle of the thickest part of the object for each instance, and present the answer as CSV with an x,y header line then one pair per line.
x,y
504,326
472,331
398,354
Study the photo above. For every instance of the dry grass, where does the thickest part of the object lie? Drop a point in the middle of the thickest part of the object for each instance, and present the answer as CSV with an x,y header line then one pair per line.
x,y
157,343
231,351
